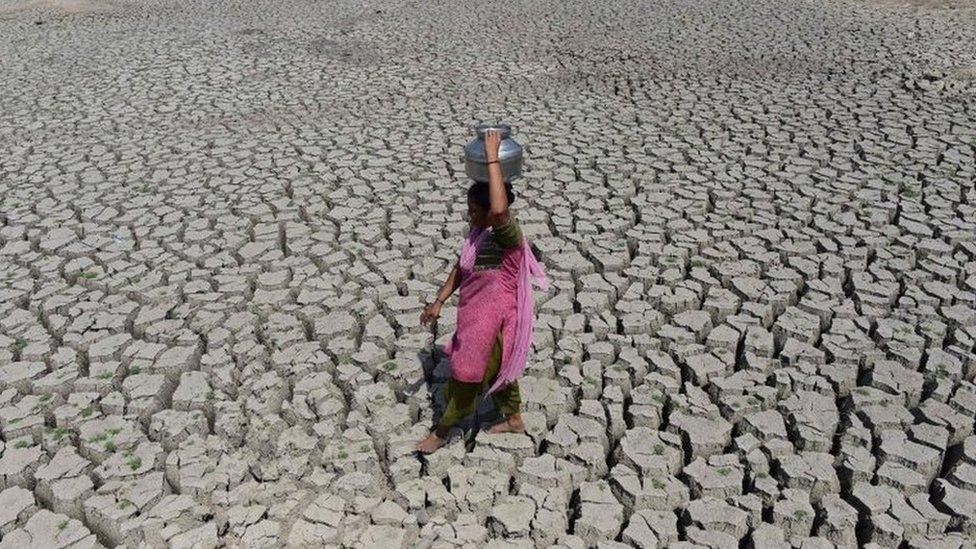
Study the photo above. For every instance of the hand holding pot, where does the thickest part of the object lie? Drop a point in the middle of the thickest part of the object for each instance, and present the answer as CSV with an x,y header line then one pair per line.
x,y
493,139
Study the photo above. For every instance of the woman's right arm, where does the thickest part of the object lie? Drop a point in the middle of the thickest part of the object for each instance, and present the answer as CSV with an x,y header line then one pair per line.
x,y
451,284
434,309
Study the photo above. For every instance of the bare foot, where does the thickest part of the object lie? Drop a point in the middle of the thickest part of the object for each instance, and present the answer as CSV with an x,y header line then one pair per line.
x,y
430,444
512,424
436,439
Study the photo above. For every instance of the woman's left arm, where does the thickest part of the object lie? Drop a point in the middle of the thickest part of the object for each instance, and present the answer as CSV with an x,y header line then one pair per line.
x,y
496,185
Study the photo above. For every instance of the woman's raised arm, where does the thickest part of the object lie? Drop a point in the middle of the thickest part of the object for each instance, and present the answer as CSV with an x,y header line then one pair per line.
x,y
496,184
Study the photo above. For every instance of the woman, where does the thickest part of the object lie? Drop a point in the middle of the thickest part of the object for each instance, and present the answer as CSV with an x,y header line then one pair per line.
x,y
494,320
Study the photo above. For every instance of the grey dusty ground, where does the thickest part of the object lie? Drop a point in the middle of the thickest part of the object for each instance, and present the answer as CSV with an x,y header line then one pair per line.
x,y
221,220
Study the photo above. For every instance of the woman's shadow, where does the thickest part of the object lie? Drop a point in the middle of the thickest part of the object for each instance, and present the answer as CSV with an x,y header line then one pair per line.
x,y
437,370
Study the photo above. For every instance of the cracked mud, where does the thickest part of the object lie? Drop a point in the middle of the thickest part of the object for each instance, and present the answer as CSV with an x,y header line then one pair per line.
x,y
221,220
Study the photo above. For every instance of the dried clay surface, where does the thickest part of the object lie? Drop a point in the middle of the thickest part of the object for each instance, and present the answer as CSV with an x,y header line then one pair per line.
x,y
219,223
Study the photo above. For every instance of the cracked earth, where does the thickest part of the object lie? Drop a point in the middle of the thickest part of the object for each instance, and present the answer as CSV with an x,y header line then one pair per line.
x,y
221,221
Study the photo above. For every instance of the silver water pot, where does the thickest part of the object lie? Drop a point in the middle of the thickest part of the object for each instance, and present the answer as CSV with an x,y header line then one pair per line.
x,y
509,154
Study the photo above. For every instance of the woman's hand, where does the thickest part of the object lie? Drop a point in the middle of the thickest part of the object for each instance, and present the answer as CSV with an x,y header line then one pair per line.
x,y
493,140
431,313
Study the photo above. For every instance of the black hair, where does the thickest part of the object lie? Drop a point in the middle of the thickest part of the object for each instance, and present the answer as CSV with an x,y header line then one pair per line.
x,y
478,192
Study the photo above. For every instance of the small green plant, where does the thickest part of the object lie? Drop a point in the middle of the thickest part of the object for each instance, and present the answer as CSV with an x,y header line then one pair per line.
x,y
211,395
390,366
86,411
88,275
725,471
62,525
114,431
209,469
20,345
22,444
697,263
134,370
364,447
658,449
800,514
134,463
99,437
342,454
106,375
110,447
57,433
658,484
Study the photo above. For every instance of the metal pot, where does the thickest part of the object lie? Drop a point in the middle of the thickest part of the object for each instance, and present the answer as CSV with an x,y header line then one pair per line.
x,y
509,154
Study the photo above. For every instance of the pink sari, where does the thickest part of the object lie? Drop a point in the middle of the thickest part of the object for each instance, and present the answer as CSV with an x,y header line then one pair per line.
x,y
529,272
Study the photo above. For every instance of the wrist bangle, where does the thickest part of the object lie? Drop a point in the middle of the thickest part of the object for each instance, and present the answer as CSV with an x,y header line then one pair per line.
x,y
493,162
439,300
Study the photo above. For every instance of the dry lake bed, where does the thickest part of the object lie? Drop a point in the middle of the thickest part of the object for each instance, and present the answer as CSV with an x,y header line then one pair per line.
x,y
220,221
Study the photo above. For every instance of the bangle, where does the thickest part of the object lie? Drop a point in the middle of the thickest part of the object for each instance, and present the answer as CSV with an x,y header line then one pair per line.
x,y
493,162
439,300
